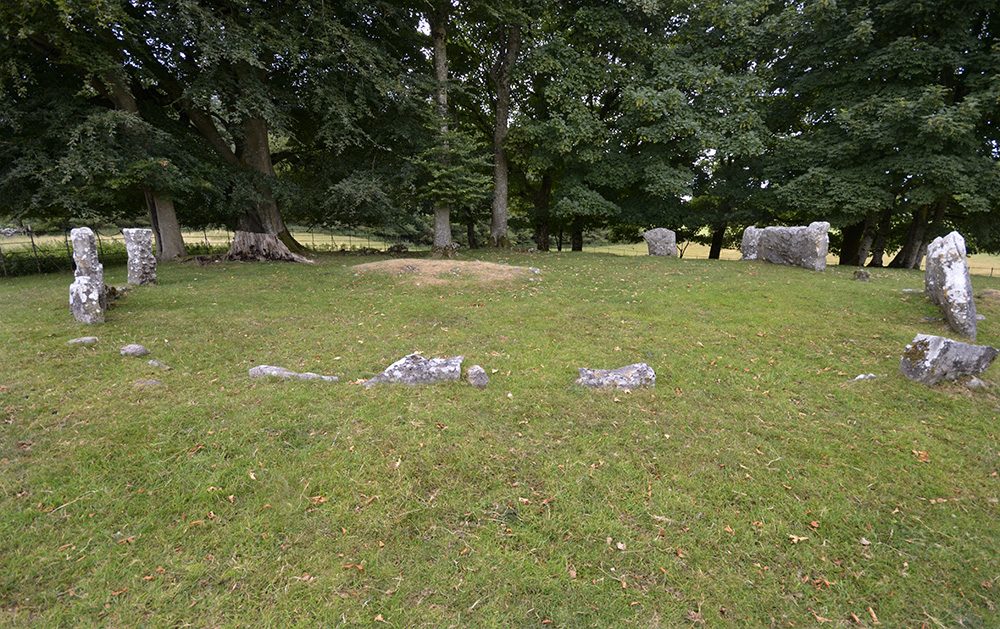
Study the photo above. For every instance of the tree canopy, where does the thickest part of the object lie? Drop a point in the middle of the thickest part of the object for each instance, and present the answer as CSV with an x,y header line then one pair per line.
x,y
562,116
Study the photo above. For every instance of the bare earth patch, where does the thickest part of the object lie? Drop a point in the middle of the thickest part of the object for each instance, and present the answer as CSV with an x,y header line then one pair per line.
x,y
441,271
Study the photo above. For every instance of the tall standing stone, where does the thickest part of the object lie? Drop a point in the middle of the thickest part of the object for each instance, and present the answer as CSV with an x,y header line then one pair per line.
x,y
947,283
750,242
87,299
141,261
661,242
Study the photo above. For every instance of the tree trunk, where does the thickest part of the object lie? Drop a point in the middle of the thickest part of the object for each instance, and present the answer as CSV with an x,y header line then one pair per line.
x,y
166,230
500,73
851,244
162,216
884,226
439,34
470,231
540,199
576,235
867,238
914,238
718,235
260,233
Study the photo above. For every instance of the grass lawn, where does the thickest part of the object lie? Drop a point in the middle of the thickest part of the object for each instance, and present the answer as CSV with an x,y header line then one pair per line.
x,y
758,484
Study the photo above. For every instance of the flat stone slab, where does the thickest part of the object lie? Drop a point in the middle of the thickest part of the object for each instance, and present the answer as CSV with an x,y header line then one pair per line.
x,y
268,371
627,377
133,350
931,359
163,366
83,340
415,369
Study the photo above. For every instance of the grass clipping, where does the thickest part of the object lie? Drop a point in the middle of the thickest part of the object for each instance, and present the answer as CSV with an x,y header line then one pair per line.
x,y
433,272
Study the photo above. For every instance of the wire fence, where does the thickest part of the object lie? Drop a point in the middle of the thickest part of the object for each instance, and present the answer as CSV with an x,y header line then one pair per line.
x,y
23,252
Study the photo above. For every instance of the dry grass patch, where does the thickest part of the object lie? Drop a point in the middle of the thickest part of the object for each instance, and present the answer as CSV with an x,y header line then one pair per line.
x,y
441,271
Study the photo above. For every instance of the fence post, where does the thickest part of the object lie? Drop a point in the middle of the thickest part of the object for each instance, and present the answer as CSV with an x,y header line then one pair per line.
x,y
34,249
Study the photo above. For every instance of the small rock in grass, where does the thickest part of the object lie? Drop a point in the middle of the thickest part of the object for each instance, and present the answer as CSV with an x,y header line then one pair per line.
x,y
134,350
264,371
83,340
415,369
862,275
866,376
627,377
477,377
156,363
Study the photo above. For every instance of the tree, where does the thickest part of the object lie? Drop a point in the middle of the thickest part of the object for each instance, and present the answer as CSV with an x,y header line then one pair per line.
x,y
887,130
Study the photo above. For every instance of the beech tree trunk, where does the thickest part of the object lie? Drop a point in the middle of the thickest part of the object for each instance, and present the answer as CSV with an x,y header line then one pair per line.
x,y
576,236
867,237
851,244
718,235
500,73
260,233
878,249
914,237
439,34
166,229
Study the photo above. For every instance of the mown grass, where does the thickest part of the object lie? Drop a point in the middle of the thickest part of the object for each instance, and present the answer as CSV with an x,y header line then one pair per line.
x,y
757,484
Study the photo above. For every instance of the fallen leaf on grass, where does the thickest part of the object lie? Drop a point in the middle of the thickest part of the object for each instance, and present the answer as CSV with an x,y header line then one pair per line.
x,y
923,456
796,539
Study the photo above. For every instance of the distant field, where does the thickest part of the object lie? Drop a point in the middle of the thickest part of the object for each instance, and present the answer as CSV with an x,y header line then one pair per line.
x,y
979,264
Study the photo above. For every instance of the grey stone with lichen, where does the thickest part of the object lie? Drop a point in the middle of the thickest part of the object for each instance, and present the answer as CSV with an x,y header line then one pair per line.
x,y
87,297
415,369
477,377
83,340
661,242
947,283
268,371
931,359
627,377
796,246
141,261
133,349
748,246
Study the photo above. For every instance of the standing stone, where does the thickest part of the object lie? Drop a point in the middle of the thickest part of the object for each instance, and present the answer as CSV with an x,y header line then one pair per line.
x,y
931,359
661,242
947,283
415,369
796,246
141,261
627,377
87,299
750,243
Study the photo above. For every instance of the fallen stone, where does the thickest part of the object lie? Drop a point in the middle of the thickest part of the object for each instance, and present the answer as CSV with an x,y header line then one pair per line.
x,y
156,363
748,246
862,275
83,340
931,359
627,377
947,283
267,371
796,246
661,242
415,369
141,261
133,350
477,377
